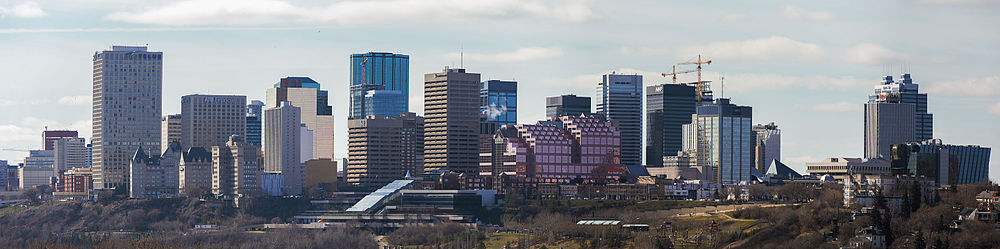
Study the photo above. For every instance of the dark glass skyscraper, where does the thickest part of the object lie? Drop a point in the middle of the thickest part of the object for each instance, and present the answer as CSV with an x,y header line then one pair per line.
x,y
254,118
619,98
388,70
668,109
566,105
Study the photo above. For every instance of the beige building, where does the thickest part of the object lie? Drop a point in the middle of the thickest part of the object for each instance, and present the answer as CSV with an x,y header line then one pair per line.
x,y
170,129
237,168
451,121
29,177
840,168
155,176
195,171
315,112
209,120
282,146
69,153
383,149
127,93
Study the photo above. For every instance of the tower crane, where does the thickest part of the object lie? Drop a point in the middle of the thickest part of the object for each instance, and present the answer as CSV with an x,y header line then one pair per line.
x,y
698,63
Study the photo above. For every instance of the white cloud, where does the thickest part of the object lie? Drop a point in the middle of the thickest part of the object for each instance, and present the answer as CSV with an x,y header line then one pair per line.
x,y
774,47
837,107
869,53
24,10
995,109
799,14
257,12
960,1
739,83
977,87
520,54
75,100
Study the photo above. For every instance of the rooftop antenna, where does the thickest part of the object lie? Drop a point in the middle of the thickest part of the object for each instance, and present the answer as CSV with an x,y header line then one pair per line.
x,y
461,55
723,90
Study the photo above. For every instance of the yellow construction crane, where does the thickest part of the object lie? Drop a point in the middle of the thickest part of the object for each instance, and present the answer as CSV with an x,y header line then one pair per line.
x,y
674,73
698,83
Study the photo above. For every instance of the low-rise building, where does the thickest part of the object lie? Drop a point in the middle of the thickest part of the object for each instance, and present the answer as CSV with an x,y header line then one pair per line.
x,y
841,167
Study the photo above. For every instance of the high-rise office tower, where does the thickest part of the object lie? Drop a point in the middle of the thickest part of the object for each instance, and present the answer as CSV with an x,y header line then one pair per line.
x,y
723,141
3,175
49,137
375,100
70,153
128,85
388,70
497,105
281,148
451,121
170,129
887,124
619,99
904,91
566,105
668,109
316,113
767,146
209,120
384,149
236,168
255,117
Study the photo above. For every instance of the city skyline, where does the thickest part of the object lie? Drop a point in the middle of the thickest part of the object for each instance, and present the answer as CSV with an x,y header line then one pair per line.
x,y
826,100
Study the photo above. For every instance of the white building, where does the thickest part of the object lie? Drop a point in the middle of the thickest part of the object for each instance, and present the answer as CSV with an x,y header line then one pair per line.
x,y
170,129
70,153
128,85
282,145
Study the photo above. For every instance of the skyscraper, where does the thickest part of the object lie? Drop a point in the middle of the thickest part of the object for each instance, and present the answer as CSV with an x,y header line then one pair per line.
x,y
497,105
389,70
384,149
767,146
904,91
375,100
70,153
316,113
281,128
668,109
451,122
255,117
887,124
128,85
619,99
170,129
49,137
209,120
566,105
723,141
947,164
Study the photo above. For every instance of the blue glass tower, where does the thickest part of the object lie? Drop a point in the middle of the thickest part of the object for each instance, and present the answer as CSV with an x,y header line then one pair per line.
x,y
388,70
497,105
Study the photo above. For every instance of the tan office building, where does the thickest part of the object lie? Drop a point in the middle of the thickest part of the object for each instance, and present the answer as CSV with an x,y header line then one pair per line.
x,y
451,121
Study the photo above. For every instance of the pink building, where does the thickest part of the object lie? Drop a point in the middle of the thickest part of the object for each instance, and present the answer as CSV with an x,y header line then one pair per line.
x,y
556,151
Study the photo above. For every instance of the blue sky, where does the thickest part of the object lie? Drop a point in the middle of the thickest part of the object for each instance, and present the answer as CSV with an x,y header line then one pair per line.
x,y
808,66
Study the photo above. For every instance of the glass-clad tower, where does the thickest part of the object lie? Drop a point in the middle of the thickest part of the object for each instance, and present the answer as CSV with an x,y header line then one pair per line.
x,y
904,91
389,71
619,98
725,141
668,109
497,104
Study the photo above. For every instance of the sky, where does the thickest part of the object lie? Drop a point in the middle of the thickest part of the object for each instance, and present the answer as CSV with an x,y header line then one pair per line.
x,y
807,66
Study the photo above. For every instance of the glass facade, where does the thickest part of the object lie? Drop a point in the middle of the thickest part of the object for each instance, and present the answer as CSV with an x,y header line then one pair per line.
x,y
497,106
619,98
254,118
563,149
668,109
566,105
904,91
389,70
725,141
